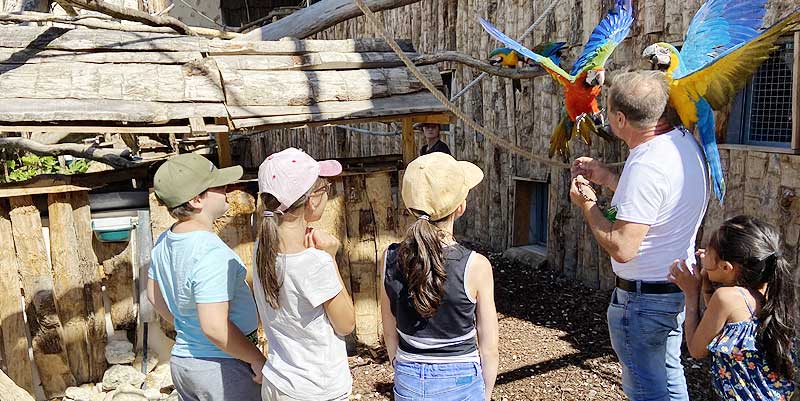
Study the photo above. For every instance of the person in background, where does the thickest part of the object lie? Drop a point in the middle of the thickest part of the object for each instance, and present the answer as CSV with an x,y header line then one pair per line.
x,y
433,141
437,300
198,283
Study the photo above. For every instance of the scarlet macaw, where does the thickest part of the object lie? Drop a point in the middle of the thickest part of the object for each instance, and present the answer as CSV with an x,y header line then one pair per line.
x,y
582,84
510,59
722,49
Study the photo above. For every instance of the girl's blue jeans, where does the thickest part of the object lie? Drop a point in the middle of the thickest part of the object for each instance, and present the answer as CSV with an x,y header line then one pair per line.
x,y
438,382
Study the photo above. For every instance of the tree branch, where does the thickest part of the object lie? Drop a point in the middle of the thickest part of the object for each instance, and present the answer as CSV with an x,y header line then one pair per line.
x,y
317,18
82,21
131,14
113,157
513,73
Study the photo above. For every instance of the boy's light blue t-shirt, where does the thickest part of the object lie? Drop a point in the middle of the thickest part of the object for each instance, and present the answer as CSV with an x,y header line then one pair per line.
x,y
197,267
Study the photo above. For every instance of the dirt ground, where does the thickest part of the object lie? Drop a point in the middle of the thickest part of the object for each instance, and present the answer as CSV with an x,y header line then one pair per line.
x,y
554,343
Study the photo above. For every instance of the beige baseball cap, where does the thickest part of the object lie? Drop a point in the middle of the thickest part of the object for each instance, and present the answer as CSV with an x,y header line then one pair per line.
x,y
185,176
436,184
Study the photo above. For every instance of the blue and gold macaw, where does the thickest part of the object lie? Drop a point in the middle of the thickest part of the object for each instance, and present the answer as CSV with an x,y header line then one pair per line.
x,y
508,58
723,48
582,85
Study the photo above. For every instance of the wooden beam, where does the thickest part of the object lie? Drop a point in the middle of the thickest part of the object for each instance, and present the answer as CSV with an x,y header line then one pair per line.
x,y
144,245
198,126
34,56
224,150
796,94
132,14
15,331
68,282
443,118
23,190
409,145
26,111
147,130
93,277
49,350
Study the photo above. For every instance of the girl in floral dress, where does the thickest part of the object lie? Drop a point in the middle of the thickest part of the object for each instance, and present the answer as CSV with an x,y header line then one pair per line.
x,y
749,322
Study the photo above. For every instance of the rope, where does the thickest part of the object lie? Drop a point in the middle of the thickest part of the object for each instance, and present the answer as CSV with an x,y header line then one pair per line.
x,y
527,32
494,139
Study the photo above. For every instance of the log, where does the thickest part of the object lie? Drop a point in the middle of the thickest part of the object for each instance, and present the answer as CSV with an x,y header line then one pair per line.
x,y
68,281
144,247
297,88
131,14
49,350
235,230
295,47
409,147
33,56
317,18
10,390
309,62
106,156
192,82
34,37
362,252
93,273
115,258
12,321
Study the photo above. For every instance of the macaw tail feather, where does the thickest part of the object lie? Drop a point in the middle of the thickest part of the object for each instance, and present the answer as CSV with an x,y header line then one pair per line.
x,y
559,139
584,128
705,125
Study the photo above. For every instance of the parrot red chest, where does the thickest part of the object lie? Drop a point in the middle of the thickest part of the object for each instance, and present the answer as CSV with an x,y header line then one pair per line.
x,y
580,98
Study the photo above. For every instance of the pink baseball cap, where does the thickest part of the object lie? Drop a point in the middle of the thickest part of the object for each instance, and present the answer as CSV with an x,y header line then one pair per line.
x,y
290,174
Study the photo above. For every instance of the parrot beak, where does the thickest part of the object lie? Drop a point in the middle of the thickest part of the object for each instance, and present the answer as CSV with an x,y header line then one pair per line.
x,y
656,56
495,60
595,77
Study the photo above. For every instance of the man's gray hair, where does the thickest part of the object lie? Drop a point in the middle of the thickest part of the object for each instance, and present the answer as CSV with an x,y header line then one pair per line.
x,y
641,95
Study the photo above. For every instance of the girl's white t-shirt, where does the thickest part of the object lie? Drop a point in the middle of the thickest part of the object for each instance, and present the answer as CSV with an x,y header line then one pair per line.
x,y
306,359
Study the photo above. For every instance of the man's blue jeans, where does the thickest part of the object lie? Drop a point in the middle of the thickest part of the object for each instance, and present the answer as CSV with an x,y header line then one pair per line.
x,y
646,333
438,382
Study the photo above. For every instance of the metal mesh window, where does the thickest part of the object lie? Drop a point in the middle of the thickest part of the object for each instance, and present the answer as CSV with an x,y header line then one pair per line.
x,y
769,115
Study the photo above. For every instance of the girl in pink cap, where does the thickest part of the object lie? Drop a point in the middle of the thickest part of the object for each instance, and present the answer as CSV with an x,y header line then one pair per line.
x,y
302,301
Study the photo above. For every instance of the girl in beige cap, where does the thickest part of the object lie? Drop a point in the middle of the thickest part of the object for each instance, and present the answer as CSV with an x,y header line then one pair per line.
x,y
437,303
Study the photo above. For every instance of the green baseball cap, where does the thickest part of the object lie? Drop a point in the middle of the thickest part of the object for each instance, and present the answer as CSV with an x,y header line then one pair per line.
x,y
185,176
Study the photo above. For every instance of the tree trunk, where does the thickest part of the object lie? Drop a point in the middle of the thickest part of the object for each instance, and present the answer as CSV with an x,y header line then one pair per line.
x,y
317,18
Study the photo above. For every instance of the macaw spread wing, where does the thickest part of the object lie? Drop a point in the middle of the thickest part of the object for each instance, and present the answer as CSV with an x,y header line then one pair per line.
x,y
604,39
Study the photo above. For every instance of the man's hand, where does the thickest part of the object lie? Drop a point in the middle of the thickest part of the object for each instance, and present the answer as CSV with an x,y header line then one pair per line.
x,y
256,367
594,171
580,190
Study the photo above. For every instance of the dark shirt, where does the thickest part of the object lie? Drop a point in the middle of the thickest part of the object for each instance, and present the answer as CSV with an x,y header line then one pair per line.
x,y
439,146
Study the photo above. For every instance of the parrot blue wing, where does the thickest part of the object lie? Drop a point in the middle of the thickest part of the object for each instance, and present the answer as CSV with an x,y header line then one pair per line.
x,y
719,26
543,61
611,30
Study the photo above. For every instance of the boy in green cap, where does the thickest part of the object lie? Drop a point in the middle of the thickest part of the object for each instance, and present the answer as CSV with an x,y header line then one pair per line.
x,y
198,282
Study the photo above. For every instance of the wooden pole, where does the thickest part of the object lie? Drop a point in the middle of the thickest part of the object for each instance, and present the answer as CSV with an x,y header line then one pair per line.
x,y
796,94
144,244
15,342
49,351
224,150
68,282
93,294
409,146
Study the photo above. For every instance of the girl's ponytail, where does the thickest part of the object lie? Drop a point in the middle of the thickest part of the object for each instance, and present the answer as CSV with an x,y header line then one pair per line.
x,y
778,315
422,263
268,249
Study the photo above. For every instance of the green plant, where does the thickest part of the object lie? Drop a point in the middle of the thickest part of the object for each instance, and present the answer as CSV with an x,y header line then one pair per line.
x,y
29,165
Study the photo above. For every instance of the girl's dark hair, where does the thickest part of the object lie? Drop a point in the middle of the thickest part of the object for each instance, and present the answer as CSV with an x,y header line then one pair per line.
x,y
269,245
754,246
422,262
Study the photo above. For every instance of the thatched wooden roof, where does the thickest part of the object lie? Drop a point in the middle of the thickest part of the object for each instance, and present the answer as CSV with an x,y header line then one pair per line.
x,y
81,78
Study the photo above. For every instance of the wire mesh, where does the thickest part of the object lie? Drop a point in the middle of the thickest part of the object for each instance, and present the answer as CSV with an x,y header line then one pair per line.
x,y
770,117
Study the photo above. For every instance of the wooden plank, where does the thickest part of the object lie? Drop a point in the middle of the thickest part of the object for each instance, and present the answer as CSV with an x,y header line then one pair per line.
x,y
409,147
144,245
191,82
40,189
384,114
362,251
116,259
796,94
297,88
309,62
76,129
68,282
15,343
34,56
93,295
293,46
379,192
444,118
35,37
20,110
223,149
49,350
412,103
198,126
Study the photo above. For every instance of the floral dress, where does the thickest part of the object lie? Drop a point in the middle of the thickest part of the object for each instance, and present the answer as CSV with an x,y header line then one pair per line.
x,y
739,371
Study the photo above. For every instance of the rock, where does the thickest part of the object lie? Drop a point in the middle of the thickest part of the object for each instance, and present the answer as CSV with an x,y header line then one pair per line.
x,y
98,388
153,394
152,361
99,397
119,352
160,379
173,396
127,392
118,375
79,394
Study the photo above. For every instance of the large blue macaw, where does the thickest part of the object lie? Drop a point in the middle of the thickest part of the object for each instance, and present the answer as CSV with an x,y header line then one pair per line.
x,y
582,84
724,46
